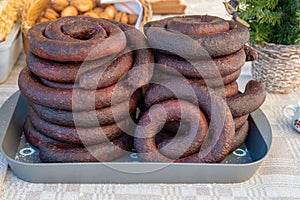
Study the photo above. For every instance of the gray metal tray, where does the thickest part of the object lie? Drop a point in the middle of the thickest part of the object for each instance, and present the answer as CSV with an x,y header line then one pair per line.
x,y
237,167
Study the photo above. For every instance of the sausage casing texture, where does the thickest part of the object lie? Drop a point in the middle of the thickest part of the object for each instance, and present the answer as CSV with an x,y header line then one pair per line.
x,y
50,41
247,102
103,152
63,72
94,118
202,69
78,135
221,122
198,45
160,75
156,116
71,100
54,151
142,70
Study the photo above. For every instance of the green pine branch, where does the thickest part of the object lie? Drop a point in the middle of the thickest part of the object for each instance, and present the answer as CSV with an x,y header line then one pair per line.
x,y
276,21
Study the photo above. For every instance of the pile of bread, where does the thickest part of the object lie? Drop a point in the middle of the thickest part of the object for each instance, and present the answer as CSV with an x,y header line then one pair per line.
x,y
91,8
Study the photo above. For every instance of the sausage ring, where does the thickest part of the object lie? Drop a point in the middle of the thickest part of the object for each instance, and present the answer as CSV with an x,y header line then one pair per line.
x,y
75,39
57,85
215,107
76,100
174,126
159,75
76,135
240,121
87,119
143,64
105,76
154,90
142,69
111,69
55,151
151,121
194,45
165,138
103,152
254,95
202,69
35,138
240,135
231,89
196,25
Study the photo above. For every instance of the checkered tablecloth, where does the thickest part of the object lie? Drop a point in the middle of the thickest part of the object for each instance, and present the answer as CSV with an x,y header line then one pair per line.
x,y
277,178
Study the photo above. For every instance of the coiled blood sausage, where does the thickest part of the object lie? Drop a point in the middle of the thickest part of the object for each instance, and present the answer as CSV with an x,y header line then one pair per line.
x,y
75,39
191,43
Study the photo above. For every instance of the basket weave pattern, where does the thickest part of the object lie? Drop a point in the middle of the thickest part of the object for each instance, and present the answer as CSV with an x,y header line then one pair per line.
x,y
33,8
278,67
147,12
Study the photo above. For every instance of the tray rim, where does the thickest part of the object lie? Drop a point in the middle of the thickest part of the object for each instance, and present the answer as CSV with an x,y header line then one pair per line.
x,y
13,100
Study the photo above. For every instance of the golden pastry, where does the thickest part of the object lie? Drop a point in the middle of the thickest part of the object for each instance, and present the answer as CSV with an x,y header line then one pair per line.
x,y
51,14
69,11
111,11
132,18
121,17
98,10
59,5
104,15
42,19
82,6
91,14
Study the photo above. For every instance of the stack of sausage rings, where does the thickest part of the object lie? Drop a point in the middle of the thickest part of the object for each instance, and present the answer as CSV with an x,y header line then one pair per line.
x,y
83,82
198,60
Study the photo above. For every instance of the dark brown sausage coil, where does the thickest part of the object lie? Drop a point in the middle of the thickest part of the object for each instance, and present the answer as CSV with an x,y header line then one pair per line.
x,y
93,118
76,100
55,151
165,138
105,72
35,138
203,69
159,75
174,126
103,152
75,39
77,135
192,44
142,70
57,85
83,83
240,104
197,25
249,101
153,119
215,107
231,89
105,76
154,91
240,135
240,121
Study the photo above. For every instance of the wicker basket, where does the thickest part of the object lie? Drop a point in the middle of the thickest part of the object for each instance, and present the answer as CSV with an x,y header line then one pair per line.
x,y
9,12
278,67
33,8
